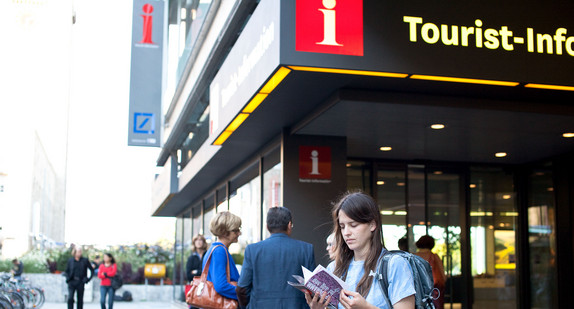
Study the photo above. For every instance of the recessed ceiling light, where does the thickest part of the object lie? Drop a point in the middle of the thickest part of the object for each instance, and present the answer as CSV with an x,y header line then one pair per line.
x,y
506,196
348,165
500,154
380,183
400,184
386,148
472,186
437,172
568,135
437,126
550,189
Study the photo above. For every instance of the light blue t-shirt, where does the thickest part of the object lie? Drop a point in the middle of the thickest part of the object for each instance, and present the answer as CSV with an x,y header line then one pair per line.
x,y
401,283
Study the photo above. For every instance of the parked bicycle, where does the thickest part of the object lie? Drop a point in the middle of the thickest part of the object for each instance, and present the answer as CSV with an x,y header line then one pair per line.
x,y
21,293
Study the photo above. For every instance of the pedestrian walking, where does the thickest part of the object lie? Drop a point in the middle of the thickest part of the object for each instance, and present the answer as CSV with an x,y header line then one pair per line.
x,y
269,264
227,227
424,246
358,234
107,270
77,277
194,263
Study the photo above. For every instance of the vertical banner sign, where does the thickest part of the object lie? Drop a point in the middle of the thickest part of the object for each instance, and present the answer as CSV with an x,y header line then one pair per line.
x,y
315,164
147,72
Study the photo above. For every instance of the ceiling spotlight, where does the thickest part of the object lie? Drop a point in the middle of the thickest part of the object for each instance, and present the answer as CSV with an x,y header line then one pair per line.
x,y
348,165
386,148
437,126
437,172
506,196
400,184
472,185
500,154
380,183
568,135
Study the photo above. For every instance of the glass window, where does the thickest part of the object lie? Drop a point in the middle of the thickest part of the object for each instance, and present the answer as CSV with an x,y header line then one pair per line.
x,y
196,214
493,237
208,214
416,183
391,190
178,280
542,240
359,176
192,18
245,202
222,204
197,131
271,193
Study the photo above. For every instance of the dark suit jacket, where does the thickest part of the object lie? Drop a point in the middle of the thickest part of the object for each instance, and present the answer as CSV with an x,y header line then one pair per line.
x,y
267,267
77,271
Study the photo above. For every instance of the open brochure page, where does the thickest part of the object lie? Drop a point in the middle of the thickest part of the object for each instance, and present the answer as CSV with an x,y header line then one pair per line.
x,y
319,281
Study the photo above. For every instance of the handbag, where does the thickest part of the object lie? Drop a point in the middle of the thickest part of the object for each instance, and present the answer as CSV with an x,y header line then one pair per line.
x,y
117,282
202,294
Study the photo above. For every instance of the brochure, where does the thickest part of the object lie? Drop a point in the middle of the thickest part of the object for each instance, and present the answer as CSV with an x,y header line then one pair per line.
x,y
319,281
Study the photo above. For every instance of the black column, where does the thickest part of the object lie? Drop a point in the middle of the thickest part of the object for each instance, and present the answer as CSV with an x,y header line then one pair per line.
x,y
564,192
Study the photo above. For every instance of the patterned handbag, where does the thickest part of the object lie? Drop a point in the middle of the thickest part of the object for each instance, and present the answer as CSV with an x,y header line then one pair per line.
x,y
202,294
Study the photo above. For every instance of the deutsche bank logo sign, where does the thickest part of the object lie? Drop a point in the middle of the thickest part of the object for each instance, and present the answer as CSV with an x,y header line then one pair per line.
x,y
329,26
144,123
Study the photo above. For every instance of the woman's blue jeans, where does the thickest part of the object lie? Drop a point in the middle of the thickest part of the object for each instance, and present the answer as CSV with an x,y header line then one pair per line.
x,y
109,291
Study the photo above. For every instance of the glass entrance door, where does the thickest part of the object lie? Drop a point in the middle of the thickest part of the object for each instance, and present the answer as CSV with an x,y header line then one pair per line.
x,y
445,202
493,238
417,200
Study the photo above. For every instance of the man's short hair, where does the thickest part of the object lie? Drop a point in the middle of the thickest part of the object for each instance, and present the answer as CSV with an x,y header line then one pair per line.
x,y
278,219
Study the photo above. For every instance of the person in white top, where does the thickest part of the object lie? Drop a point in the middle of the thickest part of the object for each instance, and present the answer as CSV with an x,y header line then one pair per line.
x,y
359,246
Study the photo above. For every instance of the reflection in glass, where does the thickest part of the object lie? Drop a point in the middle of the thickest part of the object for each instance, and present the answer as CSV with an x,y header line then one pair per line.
x,y
271,193
359,176
493,218
178,267
245,202
542,240
390,186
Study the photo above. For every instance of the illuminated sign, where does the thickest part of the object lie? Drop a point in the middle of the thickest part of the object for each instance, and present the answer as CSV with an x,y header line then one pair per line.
x,y
491,38
519,44
330,26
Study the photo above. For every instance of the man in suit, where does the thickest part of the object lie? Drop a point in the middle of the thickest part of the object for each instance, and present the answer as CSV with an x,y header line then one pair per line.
x,y
269,264
77,277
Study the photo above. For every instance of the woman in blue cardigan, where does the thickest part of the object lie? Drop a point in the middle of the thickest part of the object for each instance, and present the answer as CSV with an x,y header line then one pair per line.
x,y
227,227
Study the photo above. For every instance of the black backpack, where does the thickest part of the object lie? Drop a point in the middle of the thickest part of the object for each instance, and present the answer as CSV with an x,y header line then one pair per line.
x,y
422,276
127,296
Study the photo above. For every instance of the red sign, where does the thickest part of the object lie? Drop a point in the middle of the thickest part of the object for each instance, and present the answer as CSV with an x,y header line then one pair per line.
x,y
315,163
147,24
329,26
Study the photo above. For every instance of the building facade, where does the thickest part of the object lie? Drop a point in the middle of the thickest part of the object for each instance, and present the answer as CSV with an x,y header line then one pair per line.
x,y
33,123
456,118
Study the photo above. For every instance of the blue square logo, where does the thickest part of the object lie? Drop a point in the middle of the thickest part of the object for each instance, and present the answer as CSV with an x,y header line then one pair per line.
x,y
144,123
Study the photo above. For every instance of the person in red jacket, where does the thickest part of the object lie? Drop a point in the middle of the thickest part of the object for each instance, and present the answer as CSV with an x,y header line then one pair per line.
x,y
107,270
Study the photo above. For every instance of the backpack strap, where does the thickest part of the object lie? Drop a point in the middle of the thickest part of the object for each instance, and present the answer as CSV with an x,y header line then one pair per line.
x,y
383,276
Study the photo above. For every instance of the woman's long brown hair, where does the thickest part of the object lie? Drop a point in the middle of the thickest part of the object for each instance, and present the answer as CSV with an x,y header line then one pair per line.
x,y
361,208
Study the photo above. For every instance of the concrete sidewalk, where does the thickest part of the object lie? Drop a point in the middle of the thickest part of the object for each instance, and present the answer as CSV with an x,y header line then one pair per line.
x,y
117,305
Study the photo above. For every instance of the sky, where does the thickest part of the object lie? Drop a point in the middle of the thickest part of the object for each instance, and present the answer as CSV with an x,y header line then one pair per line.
x,y
108,183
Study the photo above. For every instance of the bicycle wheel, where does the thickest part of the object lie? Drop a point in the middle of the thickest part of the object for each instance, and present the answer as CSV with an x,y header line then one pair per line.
x,y
16,300
5,302
28,297
39,297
